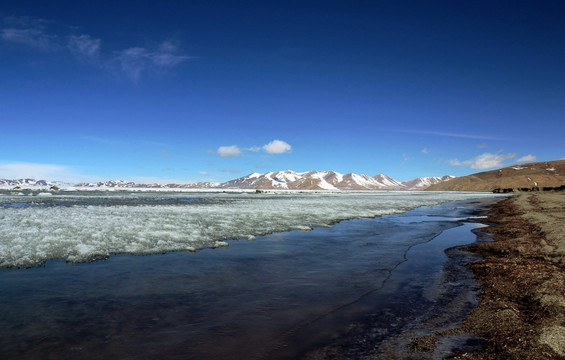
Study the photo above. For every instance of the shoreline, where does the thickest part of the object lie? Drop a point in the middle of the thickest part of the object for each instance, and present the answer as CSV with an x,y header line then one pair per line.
x,y
433,334
522,275
253,298
519,268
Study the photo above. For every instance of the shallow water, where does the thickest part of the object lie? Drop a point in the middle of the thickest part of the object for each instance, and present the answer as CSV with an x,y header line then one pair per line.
x,y
277,297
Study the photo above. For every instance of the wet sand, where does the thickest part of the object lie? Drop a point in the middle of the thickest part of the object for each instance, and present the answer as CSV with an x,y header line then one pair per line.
x,y
451,298
521,310
511,306
521,314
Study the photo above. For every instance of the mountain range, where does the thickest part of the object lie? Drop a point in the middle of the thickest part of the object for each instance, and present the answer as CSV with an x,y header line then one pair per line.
x,y
327,180
288,179
538,175
32,183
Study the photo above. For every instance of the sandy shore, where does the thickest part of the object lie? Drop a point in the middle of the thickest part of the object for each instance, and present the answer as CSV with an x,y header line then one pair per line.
x,y
513,303
521,313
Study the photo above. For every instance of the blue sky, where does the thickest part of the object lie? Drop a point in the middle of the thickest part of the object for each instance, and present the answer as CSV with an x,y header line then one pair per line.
x,y
213,90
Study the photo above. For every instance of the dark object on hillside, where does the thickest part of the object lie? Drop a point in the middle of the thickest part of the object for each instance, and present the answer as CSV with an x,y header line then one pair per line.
x,y
535,188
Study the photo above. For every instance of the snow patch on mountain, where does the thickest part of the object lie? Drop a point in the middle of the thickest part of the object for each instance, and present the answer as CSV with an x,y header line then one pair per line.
x,y
328,180
424,182
32,183
387,181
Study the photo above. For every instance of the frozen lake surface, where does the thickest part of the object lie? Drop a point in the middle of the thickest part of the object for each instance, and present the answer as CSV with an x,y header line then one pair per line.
x,y
279,296
85,226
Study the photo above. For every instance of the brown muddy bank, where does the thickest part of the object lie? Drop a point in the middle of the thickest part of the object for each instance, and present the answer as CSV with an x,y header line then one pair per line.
x,y
521,300
521,314
434,333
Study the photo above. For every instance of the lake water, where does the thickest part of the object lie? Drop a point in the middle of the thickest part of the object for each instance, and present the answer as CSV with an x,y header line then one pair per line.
x,y
280,296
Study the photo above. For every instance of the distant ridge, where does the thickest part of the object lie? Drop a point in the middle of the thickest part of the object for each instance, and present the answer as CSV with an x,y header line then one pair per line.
x,y
525,176
129,184
32,183
327,180
287,179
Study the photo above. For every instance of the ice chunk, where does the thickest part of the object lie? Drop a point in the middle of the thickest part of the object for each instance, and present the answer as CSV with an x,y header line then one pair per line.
x,y
84,226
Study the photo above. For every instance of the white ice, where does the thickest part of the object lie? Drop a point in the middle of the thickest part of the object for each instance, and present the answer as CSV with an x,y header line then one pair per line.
x,y
31,235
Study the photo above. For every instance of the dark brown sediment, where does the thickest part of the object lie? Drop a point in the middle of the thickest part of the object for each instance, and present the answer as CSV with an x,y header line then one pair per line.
x,y
521,314
521,309
434,333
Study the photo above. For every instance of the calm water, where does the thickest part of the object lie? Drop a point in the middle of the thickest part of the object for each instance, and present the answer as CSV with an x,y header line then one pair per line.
x,y
276,297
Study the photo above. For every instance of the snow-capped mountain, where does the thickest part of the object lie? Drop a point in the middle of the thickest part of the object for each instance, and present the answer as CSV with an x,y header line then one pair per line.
x,y
130,184
288,179
32,183
327,180
387,181
109,183
424,182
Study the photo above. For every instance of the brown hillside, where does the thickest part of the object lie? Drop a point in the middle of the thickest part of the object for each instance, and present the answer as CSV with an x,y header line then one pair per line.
x,y
540,174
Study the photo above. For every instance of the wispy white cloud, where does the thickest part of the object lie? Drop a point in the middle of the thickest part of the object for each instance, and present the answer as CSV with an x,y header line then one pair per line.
x,y
253,148
231,171
132,62
205,173
527,158
484,161
229,151
136,61
85,47
426,151
31,37
405,159
27,31
277,147
449,134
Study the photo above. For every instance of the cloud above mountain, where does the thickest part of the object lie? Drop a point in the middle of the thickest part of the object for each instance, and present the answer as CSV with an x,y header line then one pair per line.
x,y
132,62
137,61
275,147
448,134
527,158
27,31
229,151
484,161
85,47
